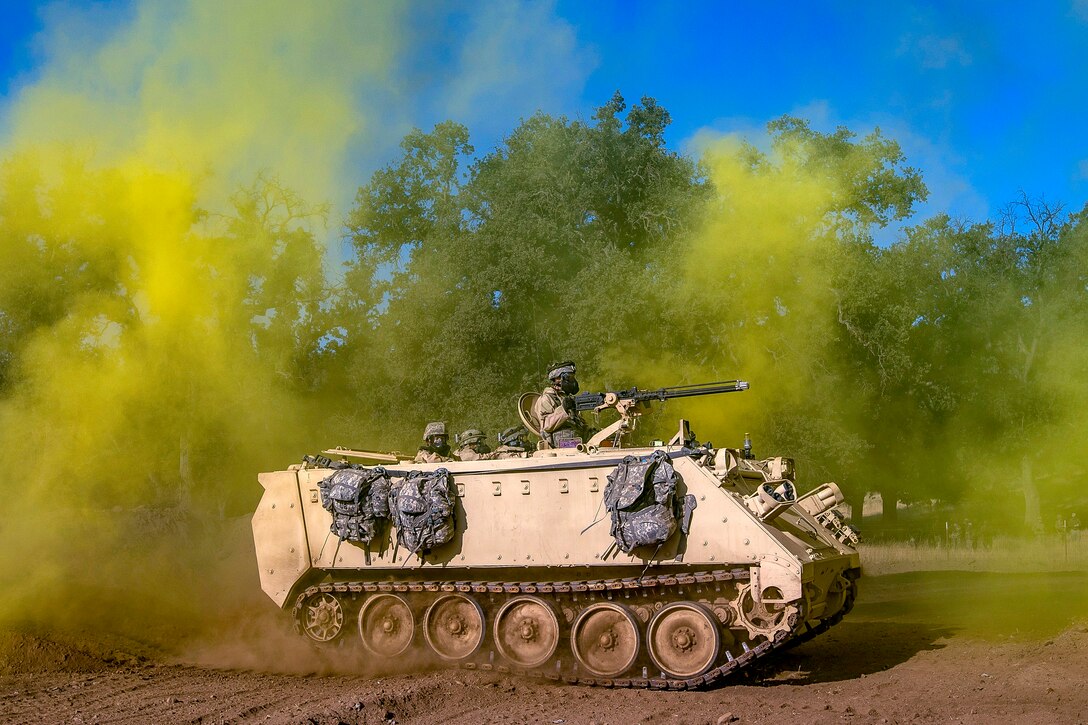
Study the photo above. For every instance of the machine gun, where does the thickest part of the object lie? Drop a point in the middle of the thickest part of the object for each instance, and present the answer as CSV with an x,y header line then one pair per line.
x,y
628,403
600,401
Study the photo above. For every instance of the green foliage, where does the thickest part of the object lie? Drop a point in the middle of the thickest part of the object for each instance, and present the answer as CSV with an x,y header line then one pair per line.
x,y
285,309
486,275
157,351
963,337
49,270
948,365
878,186
908,369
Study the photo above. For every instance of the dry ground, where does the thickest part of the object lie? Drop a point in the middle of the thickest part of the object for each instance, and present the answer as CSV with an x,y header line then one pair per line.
x,y
921,647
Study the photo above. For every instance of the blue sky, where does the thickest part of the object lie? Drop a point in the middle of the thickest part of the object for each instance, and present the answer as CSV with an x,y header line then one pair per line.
x,y
986,98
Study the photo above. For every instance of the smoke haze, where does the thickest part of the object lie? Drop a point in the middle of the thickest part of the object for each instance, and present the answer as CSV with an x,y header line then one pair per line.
x,y
173,322
140,397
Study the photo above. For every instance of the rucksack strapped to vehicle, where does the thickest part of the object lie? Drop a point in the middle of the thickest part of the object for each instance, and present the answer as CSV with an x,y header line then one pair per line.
x,y
358,499
421,506
641,498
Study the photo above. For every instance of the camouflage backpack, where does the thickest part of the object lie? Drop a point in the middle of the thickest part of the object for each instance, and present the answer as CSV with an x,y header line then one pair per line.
x,y
641,497
421,506
358,499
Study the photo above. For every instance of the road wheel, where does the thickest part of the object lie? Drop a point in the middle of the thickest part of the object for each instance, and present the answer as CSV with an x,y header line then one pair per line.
x,y
454,627
605,639
526,632
683,639
386,625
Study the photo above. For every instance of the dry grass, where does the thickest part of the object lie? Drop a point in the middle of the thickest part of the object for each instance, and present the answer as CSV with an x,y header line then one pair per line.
x,y
1049,554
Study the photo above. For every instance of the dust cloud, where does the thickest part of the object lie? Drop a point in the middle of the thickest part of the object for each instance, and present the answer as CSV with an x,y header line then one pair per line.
x,y
137,404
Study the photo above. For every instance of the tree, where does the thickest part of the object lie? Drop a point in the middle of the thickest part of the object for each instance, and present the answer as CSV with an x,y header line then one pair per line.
x,y
1025,286
52,264
786,235
286,305
475,283
899,312
958,337
402,229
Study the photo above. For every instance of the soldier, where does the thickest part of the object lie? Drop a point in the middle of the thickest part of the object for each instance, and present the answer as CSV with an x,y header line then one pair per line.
x,y
435,448
513,443
560,423
471,446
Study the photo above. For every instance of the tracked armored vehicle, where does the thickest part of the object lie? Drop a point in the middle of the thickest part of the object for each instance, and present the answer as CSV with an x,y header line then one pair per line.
x,y
668,566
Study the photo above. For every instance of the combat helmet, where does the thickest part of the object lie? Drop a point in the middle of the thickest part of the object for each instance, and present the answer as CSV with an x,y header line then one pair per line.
x,y
558,369
470,436
434,428
514,437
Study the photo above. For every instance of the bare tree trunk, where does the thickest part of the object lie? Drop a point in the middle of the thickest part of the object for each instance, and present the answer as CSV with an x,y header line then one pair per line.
x,y
1033,519
856,501
889,511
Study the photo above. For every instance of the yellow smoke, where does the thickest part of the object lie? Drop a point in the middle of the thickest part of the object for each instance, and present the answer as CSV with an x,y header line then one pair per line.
x,y
136,399
753,284
216,91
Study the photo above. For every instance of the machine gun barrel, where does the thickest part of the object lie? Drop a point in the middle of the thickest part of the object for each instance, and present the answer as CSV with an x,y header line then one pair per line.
x,y
591,401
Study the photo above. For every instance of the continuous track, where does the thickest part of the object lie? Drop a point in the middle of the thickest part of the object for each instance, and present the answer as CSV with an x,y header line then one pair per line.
x,y
694,598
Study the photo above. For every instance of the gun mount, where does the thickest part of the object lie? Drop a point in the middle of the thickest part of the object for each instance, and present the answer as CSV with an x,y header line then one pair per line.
x,y
629,404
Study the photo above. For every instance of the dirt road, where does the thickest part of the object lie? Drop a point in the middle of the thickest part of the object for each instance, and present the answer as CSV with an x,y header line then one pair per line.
x,y
949,647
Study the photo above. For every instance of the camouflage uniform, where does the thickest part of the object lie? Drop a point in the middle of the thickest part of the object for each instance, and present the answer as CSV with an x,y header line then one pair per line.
x,y
551,411
468,453
429,454
555,409
435,449
504,452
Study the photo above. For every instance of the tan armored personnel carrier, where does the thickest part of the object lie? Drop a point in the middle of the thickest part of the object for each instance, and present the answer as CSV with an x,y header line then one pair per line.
x,y
665,566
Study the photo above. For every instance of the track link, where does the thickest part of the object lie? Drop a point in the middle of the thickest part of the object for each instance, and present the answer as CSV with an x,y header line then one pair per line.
x,y
693,586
